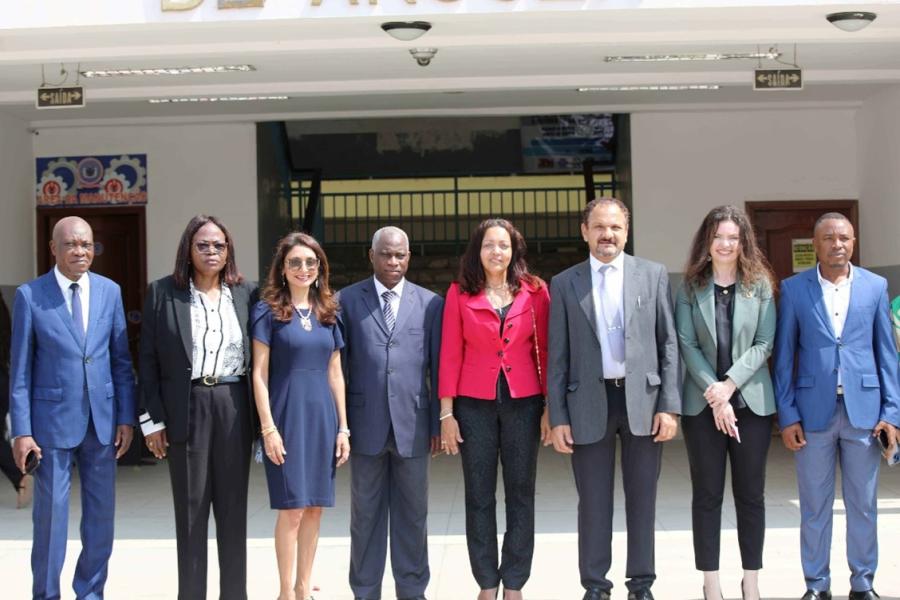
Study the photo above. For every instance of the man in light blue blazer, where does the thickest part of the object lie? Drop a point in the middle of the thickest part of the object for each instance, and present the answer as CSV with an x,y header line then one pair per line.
x,y
392,337
71,399
836,387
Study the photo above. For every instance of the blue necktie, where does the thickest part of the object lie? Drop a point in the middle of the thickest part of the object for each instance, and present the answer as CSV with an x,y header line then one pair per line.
x,y
77,315
612,315
389,317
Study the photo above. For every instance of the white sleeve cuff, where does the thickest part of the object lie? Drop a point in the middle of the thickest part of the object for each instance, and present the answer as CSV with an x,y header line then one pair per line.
x,y
148,426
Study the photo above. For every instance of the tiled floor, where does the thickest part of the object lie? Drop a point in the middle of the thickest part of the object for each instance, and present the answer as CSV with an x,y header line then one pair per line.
x,y
143,562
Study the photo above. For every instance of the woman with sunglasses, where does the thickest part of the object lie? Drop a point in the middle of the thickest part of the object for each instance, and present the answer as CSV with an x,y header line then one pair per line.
x,y
299,388
194,362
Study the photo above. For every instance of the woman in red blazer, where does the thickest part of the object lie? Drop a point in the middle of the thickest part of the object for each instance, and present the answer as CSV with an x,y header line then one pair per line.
x,y
492,384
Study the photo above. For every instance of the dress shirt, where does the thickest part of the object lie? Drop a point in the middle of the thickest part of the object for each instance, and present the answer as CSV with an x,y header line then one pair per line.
x,y
218,344
398,293
837,303
84,285
615,278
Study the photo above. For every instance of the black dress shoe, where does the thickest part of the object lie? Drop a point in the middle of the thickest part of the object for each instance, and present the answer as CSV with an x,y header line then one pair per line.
x,y
596,594
867,595
814,595
640,595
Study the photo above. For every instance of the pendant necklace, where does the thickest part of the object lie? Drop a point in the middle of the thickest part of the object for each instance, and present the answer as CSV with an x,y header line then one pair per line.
x,y
305,321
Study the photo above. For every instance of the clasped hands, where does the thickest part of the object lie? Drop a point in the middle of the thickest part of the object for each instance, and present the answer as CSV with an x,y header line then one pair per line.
x,y
718,396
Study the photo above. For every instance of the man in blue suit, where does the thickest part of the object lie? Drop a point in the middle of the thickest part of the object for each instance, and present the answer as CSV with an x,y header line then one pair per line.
x,y
71,399
392,332
836,386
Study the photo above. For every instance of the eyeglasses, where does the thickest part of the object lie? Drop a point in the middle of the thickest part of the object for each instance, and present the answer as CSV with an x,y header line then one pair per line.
x,y
211,247
72,246
295,264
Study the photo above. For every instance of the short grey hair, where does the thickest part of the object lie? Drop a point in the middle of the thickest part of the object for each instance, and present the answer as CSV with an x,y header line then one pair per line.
x,y
390,230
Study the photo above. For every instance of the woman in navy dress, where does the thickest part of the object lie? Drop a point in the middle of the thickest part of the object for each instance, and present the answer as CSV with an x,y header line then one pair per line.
x,y
299,389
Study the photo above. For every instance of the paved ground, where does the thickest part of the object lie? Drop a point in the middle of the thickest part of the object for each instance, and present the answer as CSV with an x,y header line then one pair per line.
x,y
143,563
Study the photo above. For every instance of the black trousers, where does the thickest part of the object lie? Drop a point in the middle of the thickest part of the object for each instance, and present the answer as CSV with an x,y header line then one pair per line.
x,y
212,469
510,430
708,450
594,466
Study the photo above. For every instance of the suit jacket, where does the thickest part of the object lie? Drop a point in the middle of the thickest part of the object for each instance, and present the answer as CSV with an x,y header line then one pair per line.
x,y
808,355
391,376
473,351
576,392
59,377
166,352
752,338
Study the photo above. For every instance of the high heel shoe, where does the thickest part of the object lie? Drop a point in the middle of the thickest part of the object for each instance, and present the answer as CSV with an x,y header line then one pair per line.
x,y
721,597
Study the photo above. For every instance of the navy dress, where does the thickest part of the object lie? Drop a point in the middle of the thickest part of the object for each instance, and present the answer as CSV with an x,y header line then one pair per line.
x,y
302,407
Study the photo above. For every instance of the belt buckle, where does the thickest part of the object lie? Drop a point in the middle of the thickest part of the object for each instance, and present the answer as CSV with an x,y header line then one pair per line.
x,y
618,381
209,380
840,390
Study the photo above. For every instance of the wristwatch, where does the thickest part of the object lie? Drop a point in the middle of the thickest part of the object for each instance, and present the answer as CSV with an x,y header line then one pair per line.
x,y
344,430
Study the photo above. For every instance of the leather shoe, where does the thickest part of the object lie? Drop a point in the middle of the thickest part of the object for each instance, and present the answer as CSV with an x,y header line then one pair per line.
x,y
814,595
643,594
867,595
596,594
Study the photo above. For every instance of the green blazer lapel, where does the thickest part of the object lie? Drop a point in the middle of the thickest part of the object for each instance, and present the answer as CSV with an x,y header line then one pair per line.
x,y
706,301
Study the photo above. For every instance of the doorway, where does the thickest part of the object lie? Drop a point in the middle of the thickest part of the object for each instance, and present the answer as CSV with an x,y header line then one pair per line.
x,y
785,229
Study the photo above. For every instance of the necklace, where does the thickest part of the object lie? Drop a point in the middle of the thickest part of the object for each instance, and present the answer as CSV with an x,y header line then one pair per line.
x,y
305,320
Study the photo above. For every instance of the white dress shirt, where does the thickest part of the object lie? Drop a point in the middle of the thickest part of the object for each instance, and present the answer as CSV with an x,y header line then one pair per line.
x,y
837,303
218,343
615,278
398,293
84,285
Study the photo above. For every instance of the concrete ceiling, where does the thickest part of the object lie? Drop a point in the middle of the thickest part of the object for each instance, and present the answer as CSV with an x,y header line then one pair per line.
x,y
505,63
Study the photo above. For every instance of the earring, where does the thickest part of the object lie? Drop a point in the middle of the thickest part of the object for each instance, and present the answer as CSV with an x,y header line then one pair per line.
x,y
316,283
283,280
708,257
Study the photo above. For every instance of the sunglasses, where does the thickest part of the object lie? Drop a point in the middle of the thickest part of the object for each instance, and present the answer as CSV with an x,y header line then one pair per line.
x,y
211,247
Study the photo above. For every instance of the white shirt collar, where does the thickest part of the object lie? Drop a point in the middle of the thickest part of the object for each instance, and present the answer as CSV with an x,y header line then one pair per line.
x,y
617,263
825,282
397,289
84,282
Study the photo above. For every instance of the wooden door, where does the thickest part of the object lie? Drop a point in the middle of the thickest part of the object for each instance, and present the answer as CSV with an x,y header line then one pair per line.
x,y
119,253
779,225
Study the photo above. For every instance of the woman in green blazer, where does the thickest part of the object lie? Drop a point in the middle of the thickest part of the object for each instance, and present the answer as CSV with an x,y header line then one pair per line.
x,y
725,318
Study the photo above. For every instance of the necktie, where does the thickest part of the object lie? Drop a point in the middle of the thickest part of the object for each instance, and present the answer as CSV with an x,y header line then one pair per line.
x,y
612,315
77,315
389,318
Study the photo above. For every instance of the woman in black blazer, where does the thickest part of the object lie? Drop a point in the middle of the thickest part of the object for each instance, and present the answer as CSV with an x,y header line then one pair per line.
x,y
194,371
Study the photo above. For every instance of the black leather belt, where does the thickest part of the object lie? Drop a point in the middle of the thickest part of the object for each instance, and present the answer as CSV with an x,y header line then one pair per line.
x,y
618,382
210,381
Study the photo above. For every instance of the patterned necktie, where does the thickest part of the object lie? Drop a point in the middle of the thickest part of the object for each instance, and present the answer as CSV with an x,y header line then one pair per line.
x,y
612,315
389,318
77,315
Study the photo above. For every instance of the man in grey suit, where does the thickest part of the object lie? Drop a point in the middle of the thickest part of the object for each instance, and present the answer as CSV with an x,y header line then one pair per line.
x,y
392,332
613,369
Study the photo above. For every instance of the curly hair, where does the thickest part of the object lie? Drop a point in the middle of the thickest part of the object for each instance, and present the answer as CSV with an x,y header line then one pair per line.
x,y
752,267
184,266
471,272
277,294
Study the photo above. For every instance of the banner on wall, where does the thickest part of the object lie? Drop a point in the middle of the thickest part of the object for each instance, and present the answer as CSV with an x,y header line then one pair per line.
x,y
561,143
119,179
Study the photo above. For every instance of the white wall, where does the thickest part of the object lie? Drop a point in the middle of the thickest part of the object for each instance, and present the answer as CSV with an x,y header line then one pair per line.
x,y
191,169
878,135
685,163
17,253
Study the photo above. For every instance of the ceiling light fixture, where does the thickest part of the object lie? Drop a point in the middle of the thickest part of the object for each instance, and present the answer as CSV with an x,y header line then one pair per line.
x,y
649,88
196,99
406,31
851,21
169,71
770,54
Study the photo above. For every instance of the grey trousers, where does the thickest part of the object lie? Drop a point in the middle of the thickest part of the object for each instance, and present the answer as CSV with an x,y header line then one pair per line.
x,y
594,467
389,494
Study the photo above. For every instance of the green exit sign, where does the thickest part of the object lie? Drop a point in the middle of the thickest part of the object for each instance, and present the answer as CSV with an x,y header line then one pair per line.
x,y
63,97
778,79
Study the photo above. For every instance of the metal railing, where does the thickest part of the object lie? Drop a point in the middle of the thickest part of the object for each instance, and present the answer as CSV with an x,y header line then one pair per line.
x,y
448,216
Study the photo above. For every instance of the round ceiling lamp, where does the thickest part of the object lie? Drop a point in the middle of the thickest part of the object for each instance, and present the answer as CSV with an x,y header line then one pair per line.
x,y
406,31
851,21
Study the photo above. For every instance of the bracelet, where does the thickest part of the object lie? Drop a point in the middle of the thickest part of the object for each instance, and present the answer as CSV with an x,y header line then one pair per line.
x,y
445,415
344,430
267,430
